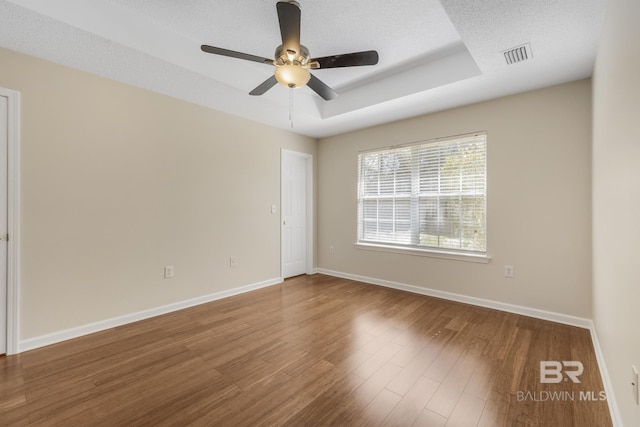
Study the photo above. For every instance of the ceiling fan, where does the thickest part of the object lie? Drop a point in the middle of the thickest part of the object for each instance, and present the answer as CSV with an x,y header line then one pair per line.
x,y
292,60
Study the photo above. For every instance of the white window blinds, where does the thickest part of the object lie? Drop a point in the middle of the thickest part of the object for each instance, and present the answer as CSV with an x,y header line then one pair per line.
x,y
430,194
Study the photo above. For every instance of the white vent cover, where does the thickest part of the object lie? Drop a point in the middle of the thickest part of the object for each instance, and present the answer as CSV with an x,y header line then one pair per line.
x,y
518,54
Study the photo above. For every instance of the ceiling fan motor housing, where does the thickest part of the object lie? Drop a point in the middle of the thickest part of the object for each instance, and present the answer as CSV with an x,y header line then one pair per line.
x,y
288,56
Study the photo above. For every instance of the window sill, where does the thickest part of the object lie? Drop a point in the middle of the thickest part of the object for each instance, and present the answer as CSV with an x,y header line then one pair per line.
x,y
457,256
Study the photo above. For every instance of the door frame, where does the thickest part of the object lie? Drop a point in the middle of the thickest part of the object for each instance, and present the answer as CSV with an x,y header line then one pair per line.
x,y
13,218
309,207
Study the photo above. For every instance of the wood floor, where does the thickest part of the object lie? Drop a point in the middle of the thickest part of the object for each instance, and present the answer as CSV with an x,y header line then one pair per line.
x,y
313,351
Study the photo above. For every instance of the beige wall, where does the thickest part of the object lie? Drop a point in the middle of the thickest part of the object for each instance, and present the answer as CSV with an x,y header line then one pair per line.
x,y
118,182
539,203
616,199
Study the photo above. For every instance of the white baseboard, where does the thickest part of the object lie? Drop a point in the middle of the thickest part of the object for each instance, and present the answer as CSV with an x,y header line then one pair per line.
x,y
580,322
616,418
67,334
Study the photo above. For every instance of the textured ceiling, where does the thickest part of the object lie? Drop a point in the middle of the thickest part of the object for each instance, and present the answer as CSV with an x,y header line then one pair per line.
x,y
433,54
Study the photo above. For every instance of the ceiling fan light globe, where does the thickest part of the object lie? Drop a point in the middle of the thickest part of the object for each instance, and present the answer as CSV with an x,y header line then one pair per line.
x,y
292,76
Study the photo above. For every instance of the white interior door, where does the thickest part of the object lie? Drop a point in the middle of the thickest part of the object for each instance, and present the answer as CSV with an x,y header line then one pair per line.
x,y
294,213
4,139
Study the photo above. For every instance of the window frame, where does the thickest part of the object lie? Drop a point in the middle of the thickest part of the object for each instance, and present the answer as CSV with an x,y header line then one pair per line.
x,y
415,248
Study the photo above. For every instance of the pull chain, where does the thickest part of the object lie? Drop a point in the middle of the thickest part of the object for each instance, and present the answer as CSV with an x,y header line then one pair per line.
x,y
291,106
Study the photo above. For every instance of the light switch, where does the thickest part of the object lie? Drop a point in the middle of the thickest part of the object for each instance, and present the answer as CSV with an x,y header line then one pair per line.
x,y
168,272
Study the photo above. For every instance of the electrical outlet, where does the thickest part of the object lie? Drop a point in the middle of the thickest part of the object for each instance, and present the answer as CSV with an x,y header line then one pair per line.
x,y
508,271
332,250
635,385
233,262
168,272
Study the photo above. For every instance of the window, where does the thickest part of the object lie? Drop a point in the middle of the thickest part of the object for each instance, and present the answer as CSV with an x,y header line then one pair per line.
x,y
429,195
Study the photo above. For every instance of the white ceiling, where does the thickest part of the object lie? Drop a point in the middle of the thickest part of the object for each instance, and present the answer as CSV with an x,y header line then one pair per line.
x,y
433,54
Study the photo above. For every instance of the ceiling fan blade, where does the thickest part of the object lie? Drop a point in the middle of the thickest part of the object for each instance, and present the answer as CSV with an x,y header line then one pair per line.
x,y
321,89
234,54
264,86
289,18
356,59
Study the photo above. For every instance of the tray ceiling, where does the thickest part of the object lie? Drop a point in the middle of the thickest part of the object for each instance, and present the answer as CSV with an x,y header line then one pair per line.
x,y
433,54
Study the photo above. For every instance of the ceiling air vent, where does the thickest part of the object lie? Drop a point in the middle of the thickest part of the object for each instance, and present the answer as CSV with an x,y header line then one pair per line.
x,y
517,54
